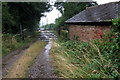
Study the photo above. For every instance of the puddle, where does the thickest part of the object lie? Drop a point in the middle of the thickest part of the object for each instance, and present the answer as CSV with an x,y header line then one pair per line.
x,y
47,36
47,50
42,67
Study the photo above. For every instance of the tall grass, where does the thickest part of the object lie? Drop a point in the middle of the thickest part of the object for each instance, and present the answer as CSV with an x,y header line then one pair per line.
x,y
11,42
75,59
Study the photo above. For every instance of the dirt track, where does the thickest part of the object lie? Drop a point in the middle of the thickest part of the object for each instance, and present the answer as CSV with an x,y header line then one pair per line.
x,y
41,67
11,58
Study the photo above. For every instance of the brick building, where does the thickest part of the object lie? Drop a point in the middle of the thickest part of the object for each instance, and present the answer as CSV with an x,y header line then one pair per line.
x,y
91,23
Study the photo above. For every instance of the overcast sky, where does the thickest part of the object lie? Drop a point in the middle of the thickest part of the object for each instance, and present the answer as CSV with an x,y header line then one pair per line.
x,y
51,16
104,1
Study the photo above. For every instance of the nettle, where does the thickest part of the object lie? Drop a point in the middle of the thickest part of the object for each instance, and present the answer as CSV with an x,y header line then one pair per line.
x,y
109,46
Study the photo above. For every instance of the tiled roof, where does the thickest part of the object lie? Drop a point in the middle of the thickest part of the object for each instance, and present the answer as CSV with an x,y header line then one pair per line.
x,y
98,13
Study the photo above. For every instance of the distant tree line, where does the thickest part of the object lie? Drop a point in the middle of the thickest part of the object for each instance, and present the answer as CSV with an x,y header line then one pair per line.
x,y
51,26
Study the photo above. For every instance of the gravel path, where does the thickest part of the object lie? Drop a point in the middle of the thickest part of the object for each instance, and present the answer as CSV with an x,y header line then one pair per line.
x,y
42,67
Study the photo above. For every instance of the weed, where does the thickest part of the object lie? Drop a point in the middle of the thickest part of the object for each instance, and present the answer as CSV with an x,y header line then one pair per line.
x,y
85,60
11,42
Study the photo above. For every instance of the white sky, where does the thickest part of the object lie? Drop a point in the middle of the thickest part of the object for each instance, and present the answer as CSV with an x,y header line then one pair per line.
x,y
51,16
105,1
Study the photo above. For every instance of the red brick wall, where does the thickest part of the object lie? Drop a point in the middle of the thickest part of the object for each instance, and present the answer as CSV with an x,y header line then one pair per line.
x,y
87,33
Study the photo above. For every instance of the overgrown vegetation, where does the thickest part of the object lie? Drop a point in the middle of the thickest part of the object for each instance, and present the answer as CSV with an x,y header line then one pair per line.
x,y
20,21
11,42
94,59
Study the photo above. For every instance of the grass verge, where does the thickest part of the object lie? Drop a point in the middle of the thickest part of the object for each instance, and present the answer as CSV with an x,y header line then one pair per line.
x,y
75,59
11,42
22,65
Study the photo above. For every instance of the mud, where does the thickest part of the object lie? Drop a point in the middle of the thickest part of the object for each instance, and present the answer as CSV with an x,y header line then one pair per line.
x,y
42,67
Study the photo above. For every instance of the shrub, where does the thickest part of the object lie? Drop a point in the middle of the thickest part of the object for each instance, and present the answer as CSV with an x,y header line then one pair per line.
x,y
64,35
95,59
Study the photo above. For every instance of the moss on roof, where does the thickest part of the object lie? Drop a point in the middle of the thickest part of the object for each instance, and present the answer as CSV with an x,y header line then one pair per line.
x,y
100,13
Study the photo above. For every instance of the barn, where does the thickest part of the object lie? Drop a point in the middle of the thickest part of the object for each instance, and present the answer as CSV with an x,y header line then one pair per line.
x,y
93,22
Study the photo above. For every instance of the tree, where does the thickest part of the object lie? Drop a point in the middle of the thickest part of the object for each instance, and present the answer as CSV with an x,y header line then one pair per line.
x,y
51,26
69,9
26,14
7,19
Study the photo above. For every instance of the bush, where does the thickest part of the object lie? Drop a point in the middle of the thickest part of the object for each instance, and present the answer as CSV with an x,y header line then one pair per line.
x,y
64,35
95,59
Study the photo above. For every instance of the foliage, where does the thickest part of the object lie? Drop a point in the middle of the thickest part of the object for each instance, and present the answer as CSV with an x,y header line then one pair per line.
x,y
64,36
11,42
7,18
25,14
51,26
116,23
87,59
68,10
116,31
20,20
93,59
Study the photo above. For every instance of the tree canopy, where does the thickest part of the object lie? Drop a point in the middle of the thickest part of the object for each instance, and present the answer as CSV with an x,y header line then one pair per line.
x,y
69,9
26,14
